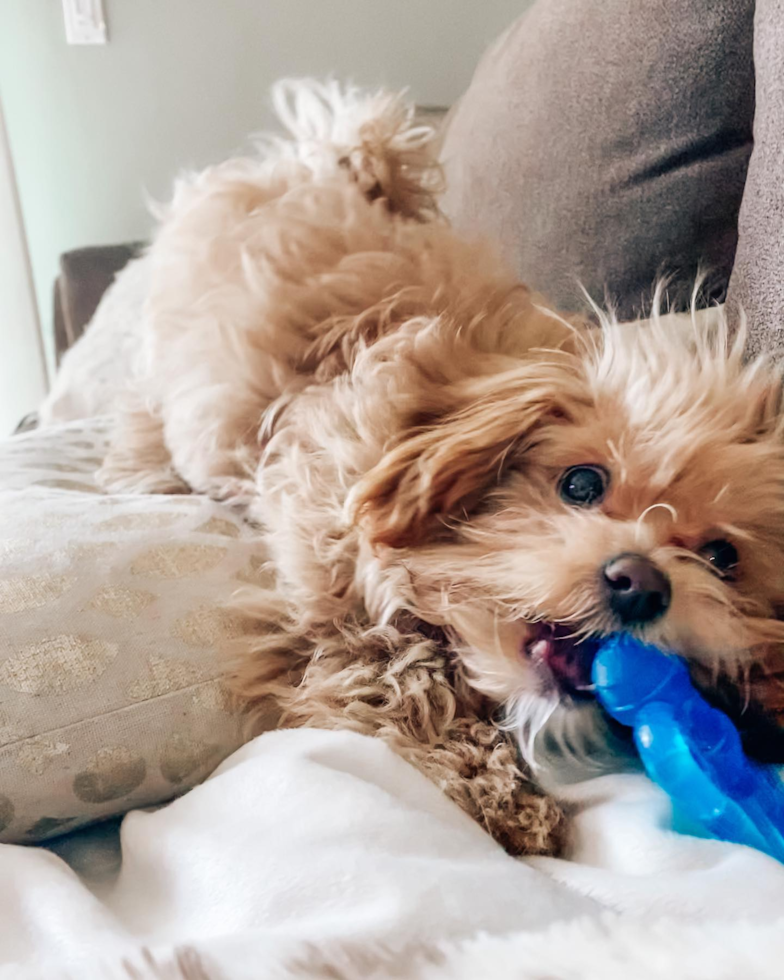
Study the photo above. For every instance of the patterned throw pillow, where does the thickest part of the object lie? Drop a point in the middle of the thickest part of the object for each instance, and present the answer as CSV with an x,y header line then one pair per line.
x,y
111,624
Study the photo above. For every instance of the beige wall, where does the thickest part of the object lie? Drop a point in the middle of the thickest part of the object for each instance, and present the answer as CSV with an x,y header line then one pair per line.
x,y
182,83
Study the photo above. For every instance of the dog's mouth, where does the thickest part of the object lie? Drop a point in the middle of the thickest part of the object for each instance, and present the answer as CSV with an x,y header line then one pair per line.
x,y
564,657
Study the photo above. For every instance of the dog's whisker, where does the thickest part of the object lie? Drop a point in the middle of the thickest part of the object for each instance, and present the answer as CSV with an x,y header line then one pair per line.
x,y
660,505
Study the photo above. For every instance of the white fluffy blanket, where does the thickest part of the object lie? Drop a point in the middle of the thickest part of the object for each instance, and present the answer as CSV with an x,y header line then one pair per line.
x,y
321,854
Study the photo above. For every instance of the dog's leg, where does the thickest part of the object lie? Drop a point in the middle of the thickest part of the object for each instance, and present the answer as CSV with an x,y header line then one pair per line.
x,y
138,460
400,689
213,438
205,445
476,766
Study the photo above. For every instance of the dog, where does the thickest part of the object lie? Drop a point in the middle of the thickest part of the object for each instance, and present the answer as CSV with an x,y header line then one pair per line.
x,y
461,489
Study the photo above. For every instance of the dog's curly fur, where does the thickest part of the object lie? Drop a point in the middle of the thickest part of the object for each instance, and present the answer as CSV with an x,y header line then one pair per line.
x,y
397,409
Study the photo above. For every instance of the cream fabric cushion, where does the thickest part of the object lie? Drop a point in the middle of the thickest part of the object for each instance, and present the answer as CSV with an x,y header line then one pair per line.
x,y
111,628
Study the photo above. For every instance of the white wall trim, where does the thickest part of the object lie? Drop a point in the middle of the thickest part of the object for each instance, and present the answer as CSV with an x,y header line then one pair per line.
x,y
23,375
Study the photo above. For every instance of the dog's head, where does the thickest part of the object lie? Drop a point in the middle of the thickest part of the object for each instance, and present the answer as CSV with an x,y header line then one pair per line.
x,y
632,479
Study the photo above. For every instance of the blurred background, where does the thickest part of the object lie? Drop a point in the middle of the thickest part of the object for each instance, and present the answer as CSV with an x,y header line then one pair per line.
x,y
88,129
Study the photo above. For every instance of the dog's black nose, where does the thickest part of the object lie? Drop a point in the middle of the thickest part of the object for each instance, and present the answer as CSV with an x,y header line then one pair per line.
x,y
637,591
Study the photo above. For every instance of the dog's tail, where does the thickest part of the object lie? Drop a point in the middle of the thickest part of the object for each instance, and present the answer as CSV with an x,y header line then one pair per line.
x,y
373,138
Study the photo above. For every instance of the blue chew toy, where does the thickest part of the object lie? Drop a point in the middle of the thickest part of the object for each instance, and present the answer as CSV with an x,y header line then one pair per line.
x,y
690,749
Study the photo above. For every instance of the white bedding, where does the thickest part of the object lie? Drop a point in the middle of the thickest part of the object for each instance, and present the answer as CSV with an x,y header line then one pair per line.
x,y
327,838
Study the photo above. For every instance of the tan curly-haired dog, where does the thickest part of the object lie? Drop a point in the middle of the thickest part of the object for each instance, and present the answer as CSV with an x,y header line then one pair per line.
x,y
460,490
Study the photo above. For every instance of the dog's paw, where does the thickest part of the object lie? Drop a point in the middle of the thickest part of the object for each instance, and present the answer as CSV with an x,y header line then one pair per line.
x,y
116,480
532,825
236,492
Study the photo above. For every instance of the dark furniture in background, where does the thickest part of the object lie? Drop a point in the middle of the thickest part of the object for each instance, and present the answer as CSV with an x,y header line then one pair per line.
x,y
85,275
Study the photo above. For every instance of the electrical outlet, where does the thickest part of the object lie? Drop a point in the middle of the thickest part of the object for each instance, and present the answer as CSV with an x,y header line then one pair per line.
x,y
84,22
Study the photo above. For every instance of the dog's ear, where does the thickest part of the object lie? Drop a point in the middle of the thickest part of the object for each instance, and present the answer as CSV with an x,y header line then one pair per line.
x,y
442,467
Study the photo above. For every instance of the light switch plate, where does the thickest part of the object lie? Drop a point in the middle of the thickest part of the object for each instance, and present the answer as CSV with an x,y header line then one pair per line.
x,y
84,22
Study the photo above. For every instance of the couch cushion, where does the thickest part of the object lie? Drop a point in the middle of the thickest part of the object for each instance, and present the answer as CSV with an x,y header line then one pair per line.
x,y
757,284
608,141
111,631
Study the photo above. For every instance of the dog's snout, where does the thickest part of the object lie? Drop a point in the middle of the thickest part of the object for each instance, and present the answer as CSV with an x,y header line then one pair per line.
x,y
637,590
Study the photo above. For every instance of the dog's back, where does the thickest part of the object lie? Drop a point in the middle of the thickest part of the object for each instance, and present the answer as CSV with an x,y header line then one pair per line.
x,y
258,269
274,271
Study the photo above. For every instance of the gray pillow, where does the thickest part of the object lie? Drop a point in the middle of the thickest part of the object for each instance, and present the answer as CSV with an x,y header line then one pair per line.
x,y
757,283
608,141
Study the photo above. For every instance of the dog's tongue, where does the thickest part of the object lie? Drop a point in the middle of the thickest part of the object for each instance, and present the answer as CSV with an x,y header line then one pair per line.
x,y
569,658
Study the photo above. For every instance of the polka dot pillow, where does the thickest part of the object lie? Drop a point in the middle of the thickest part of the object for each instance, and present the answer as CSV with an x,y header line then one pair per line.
x,y
111,623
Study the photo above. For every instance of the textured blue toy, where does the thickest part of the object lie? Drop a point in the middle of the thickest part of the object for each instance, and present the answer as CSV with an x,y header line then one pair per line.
x,y
692,750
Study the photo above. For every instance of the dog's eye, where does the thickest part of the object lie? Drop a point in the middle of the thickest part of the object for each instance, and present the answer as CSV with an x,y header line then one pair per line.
x,y
583,486
722,555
